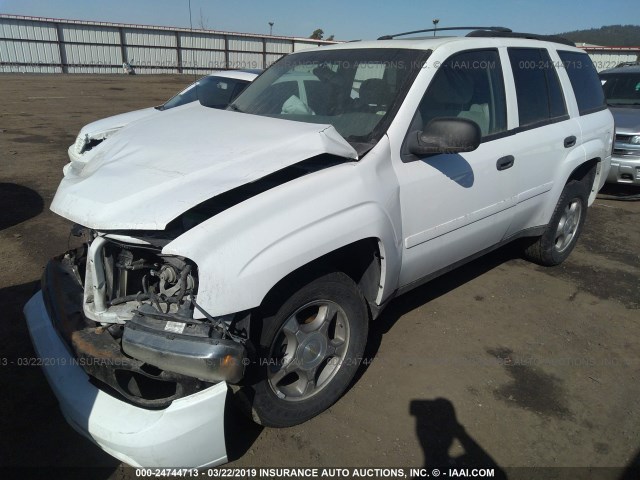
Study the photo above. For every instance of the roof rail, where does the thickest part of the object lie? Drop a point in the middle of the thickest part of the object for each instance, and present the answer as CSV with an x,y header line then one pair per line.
x,y
510,34
488,29
488,32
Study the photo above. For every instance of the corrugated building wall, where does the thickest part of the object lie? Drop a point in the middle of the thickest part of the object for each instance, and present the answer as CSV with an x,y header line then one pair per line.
x,y
46,45
605,58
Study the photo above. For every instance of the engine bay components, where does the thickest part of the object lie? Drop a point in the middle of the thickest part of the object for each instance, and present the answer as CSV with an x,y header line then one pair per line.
x,y
140,312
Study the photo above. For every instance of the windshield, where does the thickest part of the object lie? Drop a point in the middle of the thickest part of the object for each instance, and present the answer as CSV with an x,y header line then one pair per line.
x,y
357,91
212,91
621,89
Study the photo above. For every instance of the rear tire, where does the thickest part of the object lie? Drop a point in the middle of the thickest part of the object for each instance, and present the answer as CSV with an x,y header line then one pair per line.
x,y
561,235
307,352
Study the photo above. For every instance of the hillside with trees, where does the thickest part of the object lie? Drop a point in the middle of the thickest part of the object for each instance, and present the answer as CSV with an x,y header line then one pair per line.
x,y
610,36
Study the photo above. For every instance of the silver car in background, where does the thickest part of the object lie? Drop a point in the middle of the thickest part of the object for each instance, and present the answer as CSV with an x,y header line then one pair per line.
x,y
622,89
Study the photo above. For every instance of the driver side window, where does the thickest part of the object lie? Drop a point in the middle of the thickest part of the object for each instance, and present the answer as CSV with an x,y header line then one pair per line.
x,y
467,85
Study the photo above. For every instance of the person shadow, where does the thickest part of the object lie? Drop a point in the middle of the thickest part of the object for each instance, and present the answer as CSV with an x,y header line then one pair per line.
x,y
437,427
632,471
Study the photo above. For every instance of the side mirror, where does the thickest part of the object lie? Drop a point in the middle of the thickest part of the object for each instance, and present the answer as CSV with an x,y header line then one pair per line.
x,y
445,135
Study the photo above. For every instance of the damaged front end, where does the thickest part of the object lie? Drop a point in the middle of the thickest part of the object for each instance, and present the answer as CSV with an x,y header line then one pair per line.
x,y
130,316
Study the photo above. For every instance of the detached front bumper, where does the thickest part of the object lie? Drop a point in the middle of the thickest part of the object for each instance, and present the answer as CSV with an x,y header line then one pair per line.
x,y
187,433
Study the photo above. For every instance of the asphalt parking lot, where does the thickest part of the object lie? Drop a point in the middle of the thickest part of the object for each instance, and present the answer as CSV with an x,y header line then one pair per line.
x,y
500,362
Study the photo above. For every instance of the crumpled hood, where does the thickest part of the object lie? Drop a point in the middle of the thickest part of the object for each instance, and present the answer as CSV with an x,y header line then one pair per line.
x,y
627,119
157,168
116,121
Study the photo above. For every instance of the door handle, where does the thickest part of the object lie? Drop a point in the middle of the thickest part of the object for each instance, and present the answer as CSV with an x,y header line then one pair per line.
x,y
505,162
569,141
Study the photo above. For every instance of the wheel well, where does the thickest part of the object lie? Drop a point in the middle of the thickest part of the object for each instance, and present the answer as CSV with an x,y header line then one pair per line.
x,y
585,173
360,260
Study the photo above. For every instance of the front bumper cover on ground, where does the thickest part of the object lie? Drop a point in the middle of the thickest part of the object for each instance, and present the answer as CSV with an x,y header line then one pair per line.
x,y
189,433
81,363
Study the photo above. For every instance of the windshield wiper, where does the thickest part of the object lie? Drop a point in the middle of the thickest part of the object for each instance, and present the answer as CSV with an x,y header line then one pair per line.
x,y
234,107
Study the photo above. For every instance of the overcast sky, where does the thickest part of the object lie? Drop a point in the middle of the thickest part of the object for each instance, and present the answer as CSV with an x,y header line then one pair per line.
x,y
346,19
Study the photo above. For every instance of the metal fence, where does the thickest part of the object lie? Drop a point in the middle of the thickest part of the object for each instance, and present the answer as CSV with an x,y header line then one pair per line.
x,y
47,45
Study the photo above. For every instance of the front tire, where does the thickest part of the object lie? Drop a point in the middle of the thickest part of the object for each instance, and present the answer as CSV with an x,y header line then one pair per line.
x,y
308,352
562,232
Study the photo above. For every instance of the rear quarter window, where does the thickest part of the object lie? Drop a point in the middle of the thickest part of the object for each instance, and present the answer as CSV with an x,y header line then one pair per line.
x,y
584,80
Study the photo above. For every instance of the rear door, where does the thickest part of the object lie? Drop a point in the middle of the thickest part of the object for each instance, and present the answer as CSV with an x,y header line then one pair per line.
x,y
546,129
595,118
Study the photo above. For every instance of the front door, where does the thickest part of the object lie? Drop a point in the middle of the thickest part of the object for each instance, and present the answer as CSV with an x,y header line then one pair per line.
x,y
454,205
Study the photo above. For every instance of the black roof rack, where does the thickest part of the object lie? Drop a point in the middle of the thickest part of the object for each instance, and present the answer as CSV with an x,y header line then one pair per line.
x,y
532,36
488,29
488,32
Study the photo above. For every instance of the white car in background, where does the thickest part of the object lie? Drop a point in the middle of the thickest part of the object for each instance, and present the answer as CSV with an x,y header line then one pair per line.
x,y
216,90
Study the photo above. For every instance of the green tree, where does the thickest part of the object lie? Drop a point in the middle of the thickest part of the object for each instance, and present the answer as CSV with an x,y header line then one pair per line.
x,y
317,34
331,38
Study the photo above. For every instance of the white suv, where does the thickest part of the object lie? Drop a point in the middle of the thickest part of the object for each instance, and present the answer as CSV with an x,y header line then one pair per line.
x,y
247,250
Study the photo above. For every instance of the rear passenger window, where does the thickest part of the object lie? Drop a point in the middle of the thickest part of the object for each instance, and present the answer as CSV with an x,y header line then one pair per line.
x,y
467,85
540,98
584,80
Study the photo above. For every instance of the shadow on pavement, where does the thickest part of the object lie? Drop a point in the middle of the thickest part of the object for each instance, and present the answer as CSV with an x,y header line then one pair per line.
x,y
36,439
437,428
18,204
240,431
620,192
632,471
